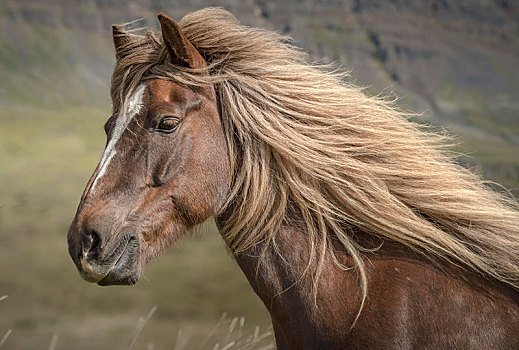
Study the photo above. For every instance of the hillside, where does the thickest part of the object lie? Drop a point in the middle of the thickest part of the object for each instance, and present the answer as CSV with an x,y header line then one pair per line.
x,y
456,63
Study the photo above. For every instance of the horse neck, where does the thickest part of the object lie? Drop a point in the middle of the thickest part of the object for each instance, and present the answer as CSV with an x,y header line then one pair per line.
x,y
271,271
281,275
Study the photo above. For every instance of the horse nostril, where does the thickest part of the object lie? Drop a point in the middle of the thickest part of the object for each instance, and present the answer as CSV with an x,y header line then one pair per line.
x,y
91,241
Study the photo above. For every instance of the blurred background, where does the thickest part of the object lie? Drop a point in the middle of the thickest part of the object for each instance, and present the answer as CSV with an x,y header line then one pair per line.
x,y
454,61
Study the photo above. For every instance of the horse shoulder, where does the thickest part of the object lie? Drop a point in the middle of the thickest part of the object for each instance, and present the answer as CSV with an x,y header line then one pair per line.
x,y
414,303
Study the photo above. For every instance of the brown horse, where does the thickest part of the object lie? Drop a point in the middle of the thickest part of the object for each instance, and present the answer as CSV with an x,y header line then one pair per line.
x,y
350,222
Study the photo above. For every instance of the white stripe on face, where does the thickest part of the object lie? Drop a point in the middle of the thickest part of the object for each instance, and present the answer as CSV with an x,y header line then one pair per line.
x,y
133,107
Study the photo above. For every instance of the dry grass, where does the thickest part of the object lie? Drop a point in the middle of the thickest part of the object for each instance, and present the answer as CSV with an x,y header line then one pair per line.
x,y
6,335
227,334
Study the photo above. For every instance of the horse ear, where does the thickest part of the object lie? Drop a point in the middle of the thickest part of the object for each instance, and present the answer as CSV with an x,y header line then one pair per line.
x,y
120,38
180,49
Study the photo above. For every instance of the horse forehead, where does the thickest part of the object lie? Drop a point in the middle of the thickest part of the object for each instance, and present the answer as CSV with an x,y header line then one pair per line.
x,y
168,91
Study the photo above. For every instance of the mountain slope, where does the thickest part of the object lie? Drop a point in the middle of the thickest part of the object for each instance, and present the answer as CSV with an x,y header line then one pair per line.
x,y
457,63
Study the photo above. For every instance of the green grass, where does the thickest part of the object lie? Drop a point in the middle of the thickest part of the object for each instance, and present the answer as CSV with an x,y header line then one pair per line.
x,y
493,158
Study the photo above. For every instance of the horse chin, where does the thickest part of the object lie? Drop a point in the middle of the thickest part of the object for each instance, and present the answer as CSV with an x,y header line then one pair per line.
x,y
127,269
116,280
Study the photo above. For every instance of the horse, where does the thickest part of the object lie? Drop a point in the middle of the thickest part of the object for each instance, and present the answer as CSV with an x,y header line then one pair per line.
x,y
353,223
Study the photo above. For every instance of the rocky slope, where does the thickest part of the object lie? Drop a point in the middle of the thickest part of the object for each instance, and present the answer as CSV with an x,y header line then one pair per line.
x,y
456,61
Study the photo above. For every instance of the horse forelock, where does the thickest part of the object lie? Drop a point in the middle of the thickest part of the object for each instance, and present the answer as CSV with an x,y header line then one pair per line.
x,y
303,141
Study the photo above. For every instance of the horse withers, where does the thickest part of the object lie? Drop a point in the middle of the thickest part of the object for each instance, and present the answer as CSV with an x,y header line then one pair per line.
x,y
351,224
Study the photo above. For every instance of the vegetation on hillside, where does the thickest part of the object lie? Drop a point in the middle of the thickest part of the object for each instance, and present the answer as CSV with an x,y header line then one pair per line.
x,y
457,64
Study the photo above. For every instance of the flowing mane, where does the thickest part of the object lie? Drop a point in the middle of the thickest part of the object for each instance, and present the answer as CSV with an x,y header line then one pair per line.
x,y
308,148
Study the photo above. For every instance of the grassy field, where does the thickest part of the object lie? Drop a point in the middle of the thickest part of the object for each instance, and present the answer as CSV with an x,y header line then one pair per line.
x,y
47,155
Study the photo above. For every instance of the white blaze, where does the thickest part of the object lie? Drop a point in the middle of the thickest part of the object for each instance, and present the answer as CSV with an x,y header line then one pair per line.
x,y
133,107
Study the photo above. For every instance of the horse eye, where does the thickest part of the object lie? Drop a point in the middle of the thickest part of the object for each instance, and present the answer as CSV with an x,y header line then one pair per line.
x,y
168,125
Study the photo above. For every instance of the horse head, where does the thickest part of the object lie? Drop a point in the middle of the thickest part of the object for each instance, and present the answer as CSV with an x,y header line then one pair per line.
x,y
164,170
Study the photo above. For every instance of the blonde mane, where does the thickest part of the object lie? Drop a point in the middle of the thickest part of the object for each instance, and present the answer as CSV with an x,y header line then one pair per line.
x,y
305,145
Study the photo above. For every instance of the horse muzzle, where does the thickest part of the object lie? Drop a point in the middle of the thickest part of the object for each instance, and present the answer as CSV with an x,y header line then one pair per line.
x,y
115,265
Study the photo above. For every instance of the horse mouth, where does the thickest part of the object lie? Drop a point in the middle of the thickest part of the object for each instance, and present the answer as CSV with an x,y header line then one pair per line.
x,y
125,270
122,267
